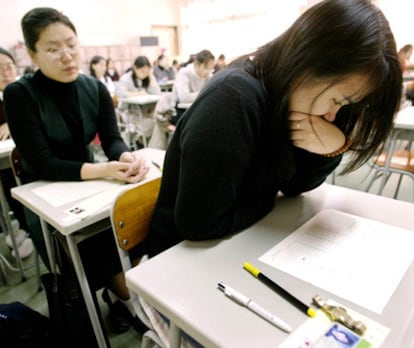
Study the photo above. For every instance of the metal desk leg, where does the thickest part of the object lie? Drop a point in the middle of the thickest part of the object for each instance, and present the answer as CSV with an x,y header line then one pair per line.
x,y
174,335
385,173
48,243
6,210
86,291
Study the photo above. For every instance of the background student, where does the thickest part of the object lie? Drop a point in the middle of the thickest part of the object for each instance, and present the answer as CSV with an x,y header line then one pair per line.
x,y
97,69
191,78
139,80
8,75
163,72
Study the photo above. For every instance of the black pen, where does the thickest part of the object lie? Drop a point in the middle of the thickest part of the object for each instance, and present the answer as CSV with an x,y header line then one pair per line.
x,y
286,295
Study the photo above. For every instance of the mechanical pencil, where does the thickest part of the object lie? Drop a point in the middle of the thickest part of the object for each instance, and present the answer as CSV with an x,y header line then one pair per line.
x,y
157,165
254,307
286,295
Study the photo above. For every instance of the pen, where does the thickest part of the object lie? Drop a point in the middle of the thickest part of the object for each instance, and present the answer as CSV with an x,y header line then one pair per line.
x,y
286,295
254,307
157,165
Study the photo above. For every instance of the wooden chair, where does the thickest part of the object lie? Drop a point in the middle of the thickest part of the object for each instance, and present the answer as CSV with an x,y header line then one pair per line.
x,y
131,215
394,160
16,166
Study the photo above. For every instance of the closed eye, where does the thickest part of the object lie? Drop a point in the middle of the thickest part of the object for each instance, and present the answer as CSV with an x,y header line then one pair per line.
x,y
52,50
337,102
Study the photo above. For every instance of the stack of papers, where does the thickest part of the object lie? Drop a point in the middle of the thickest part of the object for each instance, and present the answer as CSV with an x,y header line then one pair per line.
x,y
347,255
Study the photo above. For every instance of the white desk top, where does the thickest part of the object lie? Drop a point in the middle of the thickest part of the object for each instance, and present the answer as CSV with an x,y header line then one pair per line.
x,y
6,146
141,99
405,118
182,282
56,216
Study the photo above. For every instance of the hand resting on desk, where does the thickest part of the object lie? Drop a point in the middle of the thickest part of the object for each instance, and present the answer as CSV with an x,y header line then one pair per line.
x,y
130,168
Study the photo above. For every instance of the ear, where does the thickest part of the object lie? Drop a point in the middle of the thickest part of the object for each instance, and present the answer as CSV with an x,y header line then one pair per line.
x,y
33,55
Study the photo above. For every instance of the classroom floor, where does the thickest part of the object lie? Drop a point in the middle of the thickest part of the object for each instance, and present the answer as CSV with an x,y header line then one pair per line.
x,y
26,292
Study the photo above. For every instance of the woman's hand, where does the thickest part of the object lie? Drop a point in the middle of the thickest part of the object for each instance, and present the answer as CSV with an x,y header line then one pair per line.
x,y
315,134
4,132
137,169
130,168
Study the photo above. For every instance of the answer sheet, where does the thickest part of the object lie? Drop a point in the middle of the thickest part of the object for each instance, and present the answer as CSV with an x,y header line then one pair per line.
x,y
355,258
61,193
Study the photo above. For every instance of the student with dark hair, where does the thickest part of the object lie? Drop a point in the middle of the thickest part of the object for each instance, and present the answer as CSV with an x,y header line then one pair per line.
x,y
53,116
111,70
138,80
163,72
191,78
278,120
404,54
8,74
97,69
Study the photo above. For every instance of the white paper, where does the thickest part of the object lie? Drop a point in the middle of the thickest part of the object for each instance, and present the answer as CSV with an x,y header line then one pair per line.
x,y
94,203
61,193
355,258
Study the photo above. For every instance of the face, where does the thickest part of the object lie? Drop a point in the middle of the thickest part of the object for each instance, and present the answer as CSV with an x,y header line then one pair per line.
x,y
7,71
143,72
57,53
164,62
99,68
324,99
204,70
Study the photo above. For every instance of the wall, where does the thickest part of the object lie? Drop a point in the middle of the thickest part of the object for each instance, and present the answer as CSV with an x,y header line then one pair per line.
x,y
235,27
98,22
231,27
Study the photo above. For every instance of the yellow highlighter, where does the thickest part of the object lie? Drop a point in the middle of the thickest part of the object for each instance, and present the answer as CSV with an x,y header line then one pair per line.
x,y
286,295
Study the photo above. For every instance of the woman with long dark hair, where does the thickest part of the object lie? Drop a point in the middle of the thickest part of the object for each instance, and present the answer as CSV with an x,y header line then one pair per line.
x,y
278,120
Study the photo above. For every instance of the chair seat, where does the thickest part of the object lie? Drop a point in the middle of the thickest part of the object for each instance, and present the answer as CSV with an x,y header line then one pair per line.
x,y
401,160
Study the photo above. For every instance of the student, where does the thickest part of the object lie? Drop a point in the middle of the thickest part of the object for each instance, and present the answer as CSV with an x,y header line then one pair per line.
x,y
111,70
404,55
220,63
53,115
278,121
97,69
191,78
163,72
8,75
138,81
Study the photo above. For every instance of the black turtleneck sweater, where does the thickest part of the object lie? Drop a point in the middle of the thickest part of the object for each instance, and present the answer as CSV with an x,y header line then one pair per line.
x,y
52,124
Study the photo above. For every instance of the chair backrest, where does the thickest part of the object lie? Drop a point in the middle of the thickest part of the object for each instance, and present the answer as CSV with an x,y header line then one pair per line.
x,y
16,165
131,213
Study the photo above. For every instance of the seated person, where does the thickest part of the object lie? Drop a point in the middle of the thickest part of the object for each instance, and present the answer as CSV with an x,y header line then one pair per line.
x,y
111,70
163,72
97,68
53,116
8,75
191,78
139,80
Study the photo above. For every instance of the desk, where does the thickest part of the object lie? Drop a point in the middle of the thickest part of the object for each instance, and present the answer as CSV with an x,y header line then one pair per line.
x,y
75,229
6,146
140,106
166,86
191,270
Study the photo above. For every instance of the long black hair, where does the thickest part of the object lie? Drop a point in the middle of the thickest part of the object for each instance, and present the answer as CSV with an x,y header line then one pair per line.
x,y
140,62
330,41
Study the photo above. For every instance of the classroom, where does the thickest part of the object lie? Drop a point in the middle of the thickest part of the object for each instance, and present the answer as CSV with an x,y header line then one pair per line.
x,y
166,149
